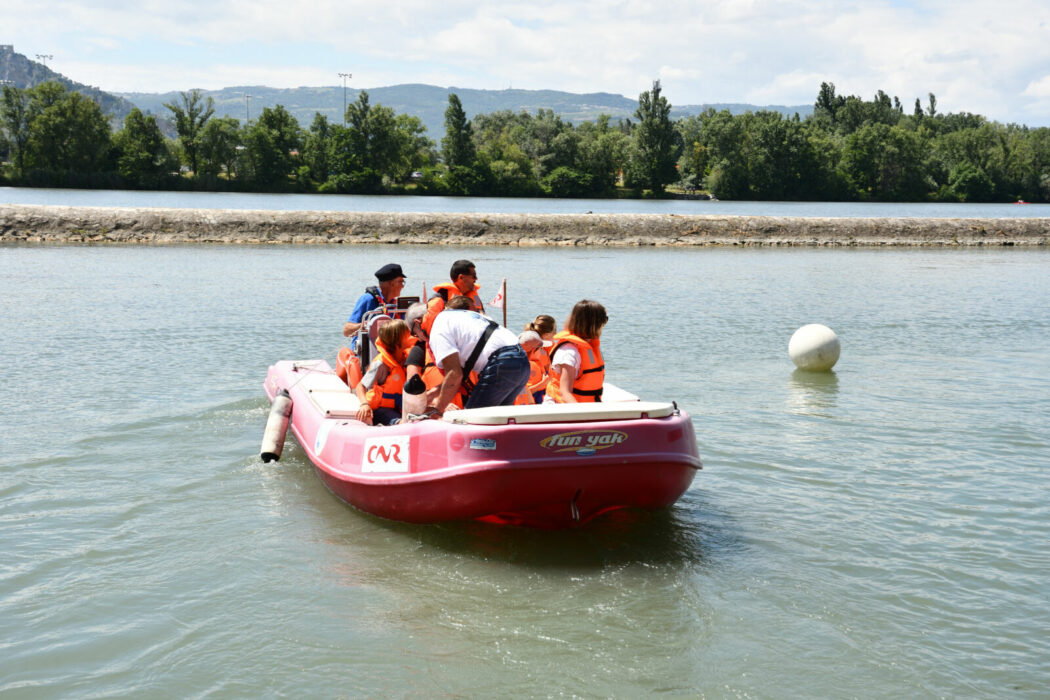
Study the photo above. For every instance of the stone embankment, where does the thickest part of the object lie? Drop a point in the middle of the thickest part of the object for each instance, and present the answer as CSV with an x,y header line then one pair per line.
x,y
90,225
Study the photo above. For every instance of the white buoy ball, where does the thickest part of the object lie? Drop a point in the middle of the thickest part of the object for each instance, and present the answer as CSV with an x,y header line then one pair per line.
x,y
814,347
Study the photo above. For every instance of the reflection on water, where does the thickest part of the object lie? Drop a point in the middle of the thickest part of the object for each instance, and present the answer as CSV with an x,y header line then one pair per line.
x,y
689,533
813,393
693,532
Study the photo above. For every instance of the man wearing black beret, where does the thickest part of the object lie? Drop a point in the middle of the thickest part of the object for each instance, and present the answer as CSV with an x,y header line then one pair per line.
x,y
391,282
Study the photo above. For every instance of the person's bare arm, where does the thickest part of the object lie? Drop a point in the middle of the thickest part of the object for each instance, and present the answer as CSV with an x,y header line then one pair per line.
x,y
364,411
565,385
450,385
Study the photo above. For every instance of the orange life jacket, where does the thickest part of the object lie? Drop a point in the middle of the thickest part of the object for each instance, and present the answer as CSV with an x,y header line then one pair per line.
x,y
442,293
433,376
524,398
537,382
387,394
539,370
588,386
543,356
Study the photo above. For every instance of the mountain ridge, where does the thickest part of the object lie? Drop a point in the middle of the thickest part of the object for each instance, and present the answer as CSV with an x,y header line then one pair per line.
x,y
20,71
428,102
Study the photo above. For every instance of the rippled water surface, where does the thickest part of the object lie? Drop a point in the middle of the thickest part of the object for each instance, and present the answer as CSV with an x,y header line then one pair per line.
x,y
881,531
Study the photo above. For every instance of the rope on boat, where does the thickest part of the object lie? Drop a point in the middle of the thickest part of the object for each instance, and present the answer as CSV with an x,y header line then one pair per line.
x,y
296,367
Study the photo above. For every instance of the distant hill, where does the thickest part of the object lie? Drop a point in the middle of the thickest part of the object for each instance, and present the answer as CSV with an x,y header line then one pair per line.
x,y
21,72
428,102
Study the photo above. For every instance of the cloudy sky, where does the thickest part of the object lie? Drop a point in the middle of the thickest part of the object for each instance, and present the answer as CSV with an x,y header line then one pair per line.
x,y
991,58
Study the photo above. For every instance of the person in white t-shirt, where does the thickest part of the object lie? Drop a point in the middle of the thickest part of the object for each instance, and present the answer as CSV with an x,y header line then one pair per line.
x,y
501,364
577,371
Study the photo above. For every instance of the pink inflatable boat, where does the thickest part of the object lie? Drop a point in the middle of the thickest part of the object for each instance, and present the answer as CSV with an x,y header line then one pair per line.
x,y
547,466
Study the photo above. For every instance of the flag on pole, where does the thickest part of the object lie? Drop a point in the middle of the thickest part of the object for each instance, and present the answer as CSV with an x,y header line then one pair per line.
x,y
497,302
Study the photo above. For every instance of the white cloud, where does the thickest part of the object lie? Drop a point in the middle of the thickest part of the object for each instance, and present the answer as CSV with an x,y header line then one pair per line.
x,y
975,56
786,88
1038,88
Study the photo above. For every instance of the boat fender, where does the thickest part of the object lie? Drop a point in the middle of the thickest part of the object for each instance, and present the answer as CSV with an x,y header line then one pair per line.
x,y
413,397
276,427
348,367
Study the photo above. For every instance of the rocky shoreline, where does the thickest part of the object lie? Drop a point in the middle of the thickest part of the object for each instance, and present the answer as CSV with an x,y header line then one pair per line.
x,y
38,224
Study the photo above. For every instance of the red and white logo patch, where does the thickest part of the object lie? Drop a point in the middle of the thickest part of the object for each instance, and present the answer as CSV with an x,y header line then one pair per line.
x,y
386,455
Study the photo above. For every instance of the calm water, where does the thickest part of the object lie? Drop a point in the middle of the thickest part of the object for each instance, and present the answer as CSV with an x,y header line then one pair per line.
x,y
298,202
883,531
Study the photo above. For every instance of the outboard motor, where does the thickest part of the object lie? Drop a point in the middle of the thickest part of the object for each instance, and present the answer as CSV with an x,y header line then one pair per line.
x,y
276,427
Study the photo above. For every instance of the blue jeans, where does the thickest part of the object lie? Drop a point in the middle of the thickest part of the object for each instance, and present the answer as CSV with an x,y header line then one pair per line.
x,y
386,416
505,375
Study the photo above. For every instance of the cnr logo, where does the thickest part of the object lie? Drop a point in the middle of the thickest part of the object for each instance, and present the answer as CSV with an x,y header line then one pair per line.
x,y
384,453
389,454
583,439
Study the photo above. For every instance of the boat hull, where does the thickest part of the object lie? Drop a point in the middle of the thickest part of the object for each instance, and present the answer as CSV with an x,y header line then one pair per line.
x,y
548,471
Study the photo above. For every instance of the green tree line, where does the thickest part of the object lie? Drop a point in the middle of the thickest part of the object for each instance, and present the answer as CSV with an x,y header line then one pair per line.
x,y
849,149
855,149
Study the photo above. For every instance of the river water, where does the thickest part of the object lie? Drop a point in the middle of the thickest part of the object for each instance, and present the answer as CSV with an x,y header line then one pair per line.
x,y
880,531
507,205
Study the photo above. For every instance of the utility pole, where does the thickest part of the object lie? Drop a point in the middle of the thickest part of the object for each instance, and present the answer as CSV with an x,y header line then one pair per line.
x,y
44,58
344,76
247,112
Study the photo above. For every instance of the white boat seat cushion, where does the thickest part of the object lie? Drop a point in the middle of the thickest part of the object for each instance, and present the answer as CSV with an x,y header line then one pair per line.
x,y
328,392
561,413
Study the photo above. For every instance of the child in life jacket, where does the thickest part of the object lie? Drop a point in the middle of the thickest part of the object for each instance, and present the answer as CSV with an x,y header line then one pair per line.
x,y
544,326
380,388
535,348
577,368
